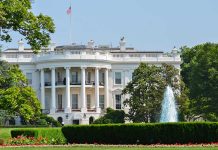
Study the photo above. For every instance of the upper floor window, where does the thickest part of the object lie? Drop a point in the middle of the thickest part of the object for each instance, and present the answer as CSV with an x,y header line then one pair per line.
x,y
29,78
101,78
118,79
59,76
75,77
89,77
88,98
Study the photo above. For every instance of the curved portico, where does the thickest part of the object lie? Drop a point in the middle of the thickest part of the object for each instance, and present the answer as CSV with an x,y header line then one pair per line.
x,y
74,82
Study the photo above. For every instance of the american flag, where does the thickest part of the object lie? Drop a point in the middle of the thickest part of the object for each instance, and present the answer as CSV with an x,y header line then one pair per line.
x,y
69,10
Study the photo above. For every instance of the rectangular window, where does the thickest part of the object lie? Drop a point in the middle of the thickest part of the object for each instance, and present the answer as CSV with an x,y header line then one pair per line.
x,y
60,101
88,77
101,78
59,76
118,77
118,101
74,77
29,78
74,101
88,98
101,101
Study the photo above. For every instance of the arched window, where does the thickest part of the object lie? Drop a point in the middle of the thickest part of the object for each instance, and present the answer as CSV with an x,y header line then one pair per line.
x,y
60,119
12,121
91,120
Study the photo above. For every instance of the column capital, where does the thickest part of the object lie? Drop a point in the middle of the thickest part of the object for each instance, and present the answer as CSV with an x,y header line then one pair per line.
x,y
97,68
67,68
107,68
83,67
52,68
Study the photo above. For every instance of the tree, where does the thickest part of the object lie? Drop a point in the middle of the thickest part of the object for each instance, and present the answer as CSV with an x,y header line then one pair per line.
x,y
200,74
145,91
16,15
16,97
112,116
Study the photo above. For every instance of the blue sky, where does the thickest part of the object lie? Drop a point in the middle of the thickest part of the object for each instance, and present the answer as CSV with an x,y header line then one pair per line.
x,y
146,24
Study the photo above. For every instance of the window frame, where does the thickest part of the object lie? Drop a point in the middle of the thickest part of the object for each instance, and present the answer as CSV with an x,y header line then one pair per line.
x,y
115,78
30,81
60,98
116,104
101,105
76,104
88,98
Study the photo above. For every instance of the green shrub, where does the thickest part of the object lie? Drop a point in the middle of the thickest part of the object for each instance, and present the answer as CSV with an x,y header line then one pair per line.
x,y
163,133
112,116
53,135
23,132
49,120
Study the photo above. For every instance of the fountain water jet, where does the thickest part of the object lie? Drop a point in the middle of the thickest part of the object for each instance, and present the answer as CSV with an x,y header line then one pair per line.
x,y
168,111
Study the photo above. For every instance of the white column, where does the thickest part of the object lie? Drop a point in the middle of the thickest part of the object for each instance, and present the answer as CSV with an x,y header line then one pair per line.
x,y
53,92
67,106
83,89
106,92
97,89
42,88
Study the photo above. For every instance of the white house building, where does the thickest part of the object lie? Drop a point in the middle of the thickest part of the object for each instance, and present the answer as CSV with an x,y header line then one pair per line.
x,y
75,83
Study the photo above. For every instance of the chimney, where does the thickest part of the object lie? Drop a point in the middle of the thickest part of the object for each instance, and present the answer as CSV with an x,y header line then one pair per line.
x,y
52,46
122,44
174,51
20,45
91,44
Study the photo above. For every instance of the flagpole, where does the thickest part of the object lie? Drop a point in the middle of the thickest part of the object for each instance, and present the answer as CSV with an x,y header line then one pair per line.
x,y
71,22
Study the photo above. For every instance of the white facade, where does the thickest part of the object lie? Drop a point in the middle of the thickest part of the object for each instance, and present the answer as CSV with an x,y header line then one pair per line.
x,y
76,82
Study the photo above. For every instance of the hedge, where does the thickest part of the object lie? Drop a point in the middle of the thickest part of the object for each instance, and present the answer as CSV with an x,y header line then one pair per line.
x,y
162,133
54,135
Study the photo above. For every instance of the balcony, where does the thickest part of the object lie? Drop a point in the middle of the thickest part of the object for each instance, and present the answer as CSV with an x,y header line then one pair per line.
x,y
60,110
75,83
47,83
58,83
45,111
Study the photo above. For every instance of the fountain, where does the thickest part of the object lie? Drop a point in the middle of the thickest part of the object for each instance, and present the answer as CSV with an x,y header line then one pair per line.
x,y
169,112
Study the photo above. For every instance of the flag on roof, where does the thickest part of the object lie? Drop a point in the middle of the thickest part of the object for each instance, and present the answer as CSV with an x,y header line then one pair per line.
x,y
69,10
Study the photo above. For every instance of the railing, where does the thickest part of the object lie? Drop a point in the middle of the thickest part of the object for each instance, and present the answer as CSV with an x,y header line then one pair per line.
x,y
60,110
91,110
75,110
60,83
89,54
47,83
45,111
101,83
75,83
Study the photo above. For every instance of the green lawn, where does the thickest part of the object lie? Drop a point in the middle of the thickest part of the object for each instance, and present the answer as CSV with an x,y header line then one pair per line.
x,y
5,133
110,148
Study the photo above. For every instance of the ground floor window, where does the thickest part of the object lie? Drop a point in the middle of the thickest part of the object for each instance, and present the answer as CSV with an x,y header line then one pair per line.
x,y
76,122
60,120
118,101
60,101
88,98
74,101
101,101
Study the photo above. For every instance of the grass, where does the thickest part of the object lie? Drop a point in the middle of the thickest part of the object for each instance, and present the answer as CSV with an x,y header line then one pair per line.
x,y
5,133
109,148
